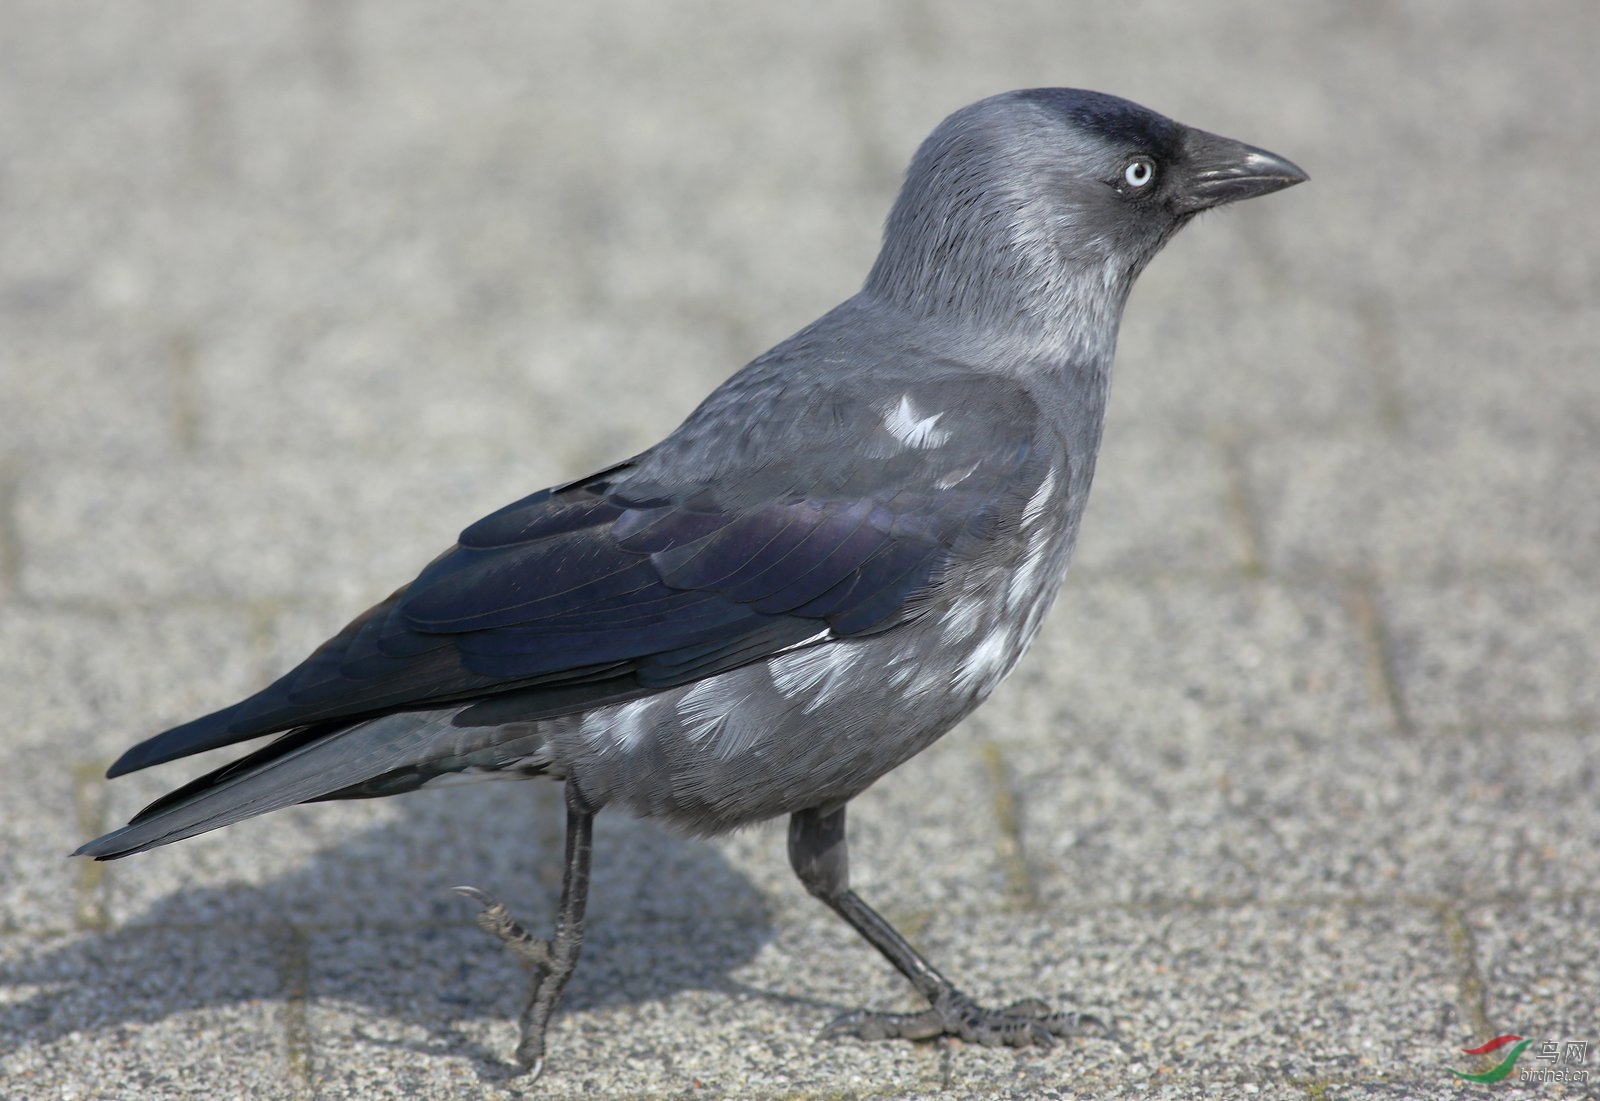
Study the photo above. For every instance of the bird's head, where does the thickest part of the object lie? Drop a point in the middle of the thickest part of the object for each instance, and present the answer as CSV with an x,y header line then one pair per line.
x,y
1041,206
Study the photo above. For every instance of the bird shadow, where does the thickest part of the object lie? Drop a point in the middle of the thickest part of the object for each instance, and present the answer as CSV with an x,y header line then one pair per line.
x,y
368,928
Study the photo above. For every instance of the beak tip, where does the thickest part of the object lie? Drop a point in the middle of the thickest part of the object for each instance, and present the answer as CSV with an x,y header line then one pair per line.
x,y
1292,173
1226,171
1267,171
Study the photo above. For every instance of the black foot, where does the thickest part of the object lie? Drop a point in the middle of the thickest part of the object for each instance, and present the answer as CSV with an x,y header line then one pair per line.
x,y
1026,1023
553,960
538,954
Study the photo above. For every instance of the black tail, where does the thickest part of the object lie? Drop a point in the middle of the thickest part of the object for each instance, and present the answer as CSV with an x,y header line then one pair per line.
x,y
315,762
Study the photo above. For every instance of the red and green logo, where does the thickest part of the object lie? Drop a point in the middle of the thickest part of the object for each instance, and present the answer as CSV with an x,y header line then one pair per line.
x,y
1505,1066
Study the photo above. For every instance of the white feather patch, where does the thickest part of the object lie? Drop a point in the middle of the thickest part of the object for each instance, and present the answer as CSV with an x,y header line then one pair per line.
x,y
705,708
987,664
627,726
736,735
956,477
906,423
821,636
963,618
1023,585
815,672
1041,497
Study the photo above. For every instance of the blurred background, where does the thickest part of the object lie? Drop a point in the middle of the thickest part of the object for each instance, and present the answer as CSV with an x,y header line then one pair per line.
x,y
1298,785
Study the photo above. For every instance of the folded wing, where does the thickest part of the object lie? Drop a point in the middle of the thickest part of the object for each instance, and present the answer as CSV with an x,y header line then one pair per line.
x,y
609,588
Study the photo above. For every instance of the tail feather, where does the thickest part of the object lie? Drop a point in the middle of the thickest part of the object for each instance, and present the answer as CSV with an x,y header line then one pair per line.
x,y
302,766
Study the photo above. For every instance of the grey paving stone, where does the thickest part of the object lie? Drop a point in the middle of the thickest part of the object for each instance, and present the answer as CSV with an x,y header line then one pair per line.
x,y
1385,231
519,419
42,823
1154,722
85,683
115,392
1466,788
1280,817
1163,502
149,1013
344,531
1137,778
1188,657
1529,952
1494,649
1522,371
1241,357
654,1010
1371,502
1229,1000
390,865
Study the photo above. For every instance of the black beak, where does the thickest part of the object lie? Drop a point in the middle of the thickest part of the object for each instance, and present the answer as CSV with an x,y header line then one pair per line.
x,y
1220,170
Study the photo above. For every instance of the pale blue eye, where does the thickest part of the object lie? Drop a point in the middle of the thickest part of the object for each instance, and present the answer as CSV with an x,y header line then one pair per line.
x,y
1139,172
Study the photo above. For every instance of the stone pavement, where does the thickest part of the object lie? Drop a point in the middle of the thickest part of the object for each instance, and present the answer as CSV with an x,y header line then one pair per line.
x,y
1299,785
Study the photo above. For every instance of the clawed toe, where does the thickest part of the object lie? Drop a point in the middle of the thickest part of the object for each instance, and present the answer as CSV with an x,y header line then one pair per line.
x,y
497,921
1028,1023
864,1024
1060,1023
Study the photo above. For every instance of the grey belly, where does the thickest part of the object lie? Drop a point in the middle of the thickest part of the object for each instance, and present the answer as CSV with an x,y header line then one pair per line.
x,y
811,727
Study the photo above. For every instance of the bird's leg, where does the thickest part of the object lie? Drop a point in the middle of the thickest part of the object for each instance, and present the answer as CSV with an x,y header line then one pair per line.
x,y
819,856
553,960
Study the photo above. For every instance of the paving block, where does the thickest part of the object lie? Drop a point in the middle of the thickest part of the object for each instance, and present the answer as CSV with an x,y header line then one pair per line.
x,y
156,1013
1494,649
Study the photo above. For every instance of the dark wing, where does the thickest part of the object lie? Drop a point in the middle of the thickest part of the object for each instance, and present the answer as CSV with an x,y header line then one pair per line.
x,y
611,588
586,594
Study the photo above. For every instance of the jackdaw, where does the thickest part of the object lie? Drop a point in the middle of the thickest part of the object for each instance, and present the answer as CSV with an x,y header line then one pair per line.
x,y
832,561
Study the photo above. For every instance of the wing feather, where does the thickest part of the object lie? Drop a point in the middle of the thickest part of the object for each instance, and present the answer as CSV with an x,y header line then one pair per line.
x,y
603,589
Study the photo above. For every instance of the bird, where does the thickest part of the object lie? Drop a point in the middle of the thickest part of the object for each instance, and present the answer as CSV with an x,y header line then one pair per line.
x,y
834,559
